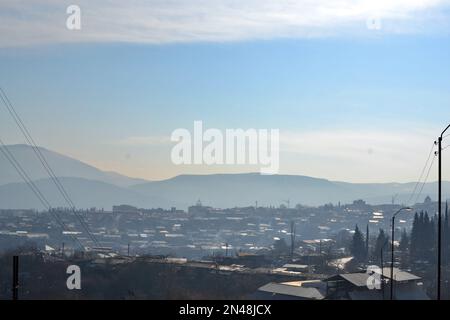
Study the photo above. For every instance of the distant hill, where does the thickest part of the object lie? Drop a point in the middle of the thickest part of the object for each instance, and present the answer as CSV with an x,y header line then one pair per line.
x,y
229,190
84,193
63,166
91,187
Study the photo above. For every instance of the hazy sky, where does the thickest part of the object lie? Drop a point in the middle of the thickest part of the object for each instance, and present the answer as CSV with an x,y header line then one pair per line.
x,y
354,100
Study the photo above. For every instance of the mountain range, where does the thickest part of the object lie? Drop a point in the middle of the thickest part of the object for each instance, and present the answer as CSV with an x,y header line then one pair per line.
x,y
90,187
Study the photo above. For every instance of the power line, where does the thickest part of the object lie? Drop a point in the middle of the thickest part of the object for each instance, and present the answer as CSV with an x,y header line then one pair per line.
x,y
23,174
421,174
426,178
10,157
45,164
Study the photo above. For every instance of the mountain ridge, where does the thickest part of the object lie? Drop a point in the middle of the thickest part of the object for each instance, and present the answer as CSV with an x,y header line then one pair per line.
x,y
62,165
92,187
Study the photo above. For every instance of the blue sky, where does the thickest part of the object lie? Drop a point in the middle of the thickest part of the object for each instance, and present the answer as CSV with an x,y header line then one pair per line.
x,y
113,103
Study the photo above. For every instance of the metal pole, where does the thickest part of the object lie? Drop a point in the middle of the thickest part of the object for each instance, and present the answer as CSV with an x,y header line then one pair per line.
x,y
438,284
382,272
392,248
392,259
15,286
439,218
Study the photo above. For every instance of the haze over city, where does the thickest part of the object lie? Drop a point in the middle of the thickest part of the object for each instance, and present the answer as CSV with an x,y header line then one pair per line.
x,y
352,103
243,151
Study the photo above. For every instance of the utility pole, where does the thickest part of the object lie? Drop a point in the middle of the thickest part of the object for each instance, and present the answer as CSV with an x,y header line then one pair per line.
x,y
392,247
438,284
15,285
439,219
62,250
128,250
292,239
392,258
382,271
367,242
383,280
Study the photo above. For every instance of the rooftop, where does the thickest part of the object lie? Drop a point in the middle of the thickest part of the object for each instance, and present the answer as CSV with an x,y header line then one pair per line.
x,y
359,279
290,290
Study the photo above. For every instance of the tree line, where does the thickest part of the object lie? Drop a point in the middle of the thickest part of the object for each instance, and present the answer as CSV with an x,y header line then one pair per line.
x,y
417,246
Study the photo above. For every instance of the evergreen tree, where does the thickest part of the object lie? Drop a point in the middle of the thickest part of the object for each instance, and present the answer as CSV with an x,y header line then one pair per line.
x,y
380,245
404,249
358,246
446,237
404,242
367,241
415,238
429,238
423,238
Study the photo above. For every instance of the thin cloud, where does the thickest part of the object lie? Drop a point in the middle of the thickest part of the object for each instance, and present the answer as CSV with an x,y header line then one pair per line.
x,y
355,144
145,141
369,155
169,21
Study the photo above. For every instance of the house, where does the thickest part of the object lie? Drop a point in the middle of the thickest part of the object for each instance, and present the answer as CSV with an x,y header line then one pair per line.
x,y
288,291
361,285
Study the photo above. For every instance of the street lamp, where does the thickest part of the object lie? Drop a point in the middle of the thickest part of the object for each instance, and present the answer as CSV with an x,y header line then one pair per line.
x,y
440,214
382,266
392,247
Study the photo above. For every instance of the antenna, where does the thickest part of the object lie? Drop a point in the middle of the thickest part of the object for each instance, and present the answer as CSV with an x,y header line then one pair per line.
x,y
292,239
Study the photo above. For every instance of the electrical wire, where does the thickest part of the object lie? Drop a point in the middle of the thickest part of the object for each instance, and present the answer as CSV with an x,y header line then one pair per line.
x,y
433,146
45,164
426,178
26,178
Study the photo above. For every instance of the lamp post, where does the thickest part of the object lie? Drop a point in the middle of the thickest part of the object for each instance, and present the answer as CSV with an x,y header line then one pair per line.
x,y
382,267
440,214
392,248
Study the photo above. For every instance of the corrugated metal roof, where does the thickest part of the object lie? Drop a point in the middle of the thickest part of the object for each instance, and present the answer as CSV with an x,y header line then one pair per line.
x,y
288,290
399,275
358,279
